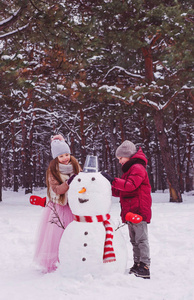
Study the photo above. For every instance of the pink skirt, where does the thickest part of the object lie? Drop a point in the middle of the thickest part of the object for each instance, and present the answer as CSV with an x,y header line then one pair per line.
x,y
54,220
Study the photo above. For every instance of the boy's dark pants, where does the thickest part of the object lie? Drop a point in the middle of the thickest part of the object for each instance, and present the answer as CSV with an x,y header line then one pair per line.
x,y
139,239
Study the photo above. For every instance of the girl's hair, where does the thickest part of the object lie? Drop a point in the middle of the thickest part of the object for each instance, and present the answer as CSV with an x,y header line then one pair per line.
x,y
75,164
53,169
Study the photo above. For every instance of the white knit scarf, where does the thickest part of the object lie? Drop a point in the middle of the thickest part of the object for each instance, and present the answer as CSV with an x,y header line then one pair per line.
x,y
66,169
109,254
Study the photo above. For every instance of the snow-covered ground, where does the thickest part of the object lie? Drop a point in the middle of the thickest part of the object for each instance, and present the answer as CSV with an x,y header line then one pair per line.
x,y
171,235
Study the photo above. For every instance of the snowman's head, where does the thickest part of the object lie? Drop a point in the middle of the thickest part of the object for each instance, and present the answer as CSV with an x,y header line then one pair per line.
x,y
89,194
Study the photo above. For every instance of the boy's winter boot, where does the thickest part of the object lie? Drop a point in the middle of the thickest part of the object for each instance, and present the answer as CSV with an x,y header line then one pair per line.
x,y
143,271
134,269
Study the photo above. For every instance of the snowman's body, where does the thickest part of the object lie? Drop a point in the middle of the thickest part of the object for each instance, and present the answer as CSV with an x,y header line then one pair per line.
x,y
82,244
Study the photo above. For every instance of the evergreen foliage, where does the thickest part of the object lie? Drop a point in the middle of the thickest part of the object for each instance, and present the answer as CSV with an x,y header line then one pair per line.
x,y
98,72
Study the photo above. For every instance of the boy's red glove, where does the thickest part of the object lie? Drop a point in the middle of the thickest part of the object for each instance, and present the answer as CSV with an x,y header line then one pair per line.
x,y
133,218
36,200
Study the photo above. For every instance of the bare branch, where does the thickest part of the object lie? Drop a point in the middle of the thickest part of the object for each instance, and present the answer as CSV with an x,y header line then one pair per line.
x,y
56,219
11,20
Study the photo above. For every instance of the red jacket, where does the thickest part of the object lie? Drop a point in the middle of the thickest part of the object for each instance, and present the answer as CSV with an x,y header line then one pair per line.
x,y
134,188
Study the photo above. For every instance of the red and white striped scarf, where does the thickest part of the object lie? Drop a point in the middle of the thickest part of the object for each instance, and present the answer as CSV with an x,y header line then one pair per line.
x,y
109,254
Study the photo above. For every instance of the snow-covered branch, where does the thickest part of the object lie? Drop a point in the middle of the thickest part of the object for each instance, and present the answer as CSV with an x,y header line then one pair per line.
x,y
7,22
158,106
125,71
150,103
8,34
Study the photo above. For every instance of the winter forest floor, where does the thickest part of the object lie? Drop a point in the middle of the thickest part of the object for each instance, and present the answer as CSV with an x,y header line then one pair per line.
x,y
171,235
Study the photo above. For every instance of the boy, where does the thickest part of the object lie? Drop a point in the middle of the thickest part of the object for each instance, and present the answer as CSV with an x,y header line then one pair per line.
x,y
134,191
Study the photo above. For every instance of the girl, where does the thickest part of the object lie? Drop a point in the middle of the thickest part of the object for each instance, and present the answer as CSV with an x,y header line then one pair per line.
x,y
57,214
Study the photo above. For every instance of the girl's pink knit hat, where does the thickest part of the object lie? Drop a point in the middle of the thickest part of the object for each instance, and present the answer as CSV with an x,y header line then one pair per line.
x,y
59,146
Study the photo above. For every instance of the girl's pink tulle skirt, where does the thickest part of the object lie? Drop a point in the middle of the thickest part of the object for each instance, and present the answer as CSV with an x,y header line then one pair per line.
x,y
54,219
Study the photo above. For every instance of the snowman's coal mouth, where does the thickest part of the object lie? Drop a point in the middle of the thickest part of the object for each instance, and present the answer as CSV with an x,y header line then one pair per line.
x,y
83,200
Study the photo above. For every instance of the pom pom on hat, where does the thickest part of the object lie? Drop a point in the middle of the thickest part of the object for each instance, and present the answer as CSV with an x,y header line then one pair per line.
x,y
59,146
126,149
57,137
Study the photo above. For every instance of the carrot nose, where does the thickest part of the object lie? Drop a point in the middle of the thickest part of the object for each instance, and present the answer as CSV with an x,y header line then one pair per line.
x,y
83,190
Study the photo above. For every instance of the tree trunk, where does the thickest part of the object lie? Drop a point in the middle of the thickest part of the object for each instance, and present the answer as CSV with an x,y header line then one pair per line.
x,y
122,130
172,178
26,147
178,155
188,179
1,175
159,175
108,155
15,162
16,172
83,138
145,133
113,140
149,74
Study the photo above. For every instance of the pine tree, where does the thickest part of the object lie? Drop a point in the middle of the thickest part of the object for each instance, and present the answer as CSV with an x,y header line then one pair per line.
x,y
97,67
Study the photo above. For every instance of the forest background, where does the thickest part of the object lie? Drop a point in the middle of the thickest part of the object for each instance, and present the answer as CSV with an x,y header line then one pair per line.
x,y
98,72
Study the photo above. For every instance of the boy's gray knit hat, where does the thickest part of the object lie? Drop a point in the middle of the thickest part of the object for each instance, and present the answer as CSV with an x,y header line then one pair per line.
x,y
126,149
59,146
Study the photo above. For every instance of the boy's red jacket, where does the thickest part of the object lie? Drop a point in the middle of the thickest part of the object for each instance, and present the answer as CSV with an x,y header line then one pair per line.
x,y
134,188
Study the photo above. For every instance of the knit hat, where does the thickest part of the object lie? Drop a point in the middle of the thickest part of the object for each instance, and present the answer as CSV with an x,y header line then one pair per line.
x,y
126,149
59,146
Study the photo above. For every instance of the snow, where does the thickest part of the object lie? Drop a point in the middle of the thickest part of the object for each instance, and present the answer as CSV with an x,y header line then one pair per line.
x,y
110,88
74,86
171,241
6,57
95,57
60,87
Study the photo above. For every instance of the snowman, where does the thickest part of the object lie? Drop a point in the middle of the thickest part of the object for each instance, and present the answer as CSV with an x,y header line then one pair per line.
x,y
90,244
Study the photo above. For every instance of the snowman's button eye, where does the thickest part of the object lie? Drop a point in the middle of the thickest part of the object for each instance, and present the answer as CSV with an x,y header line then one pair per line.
x,y
79,179
93,178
